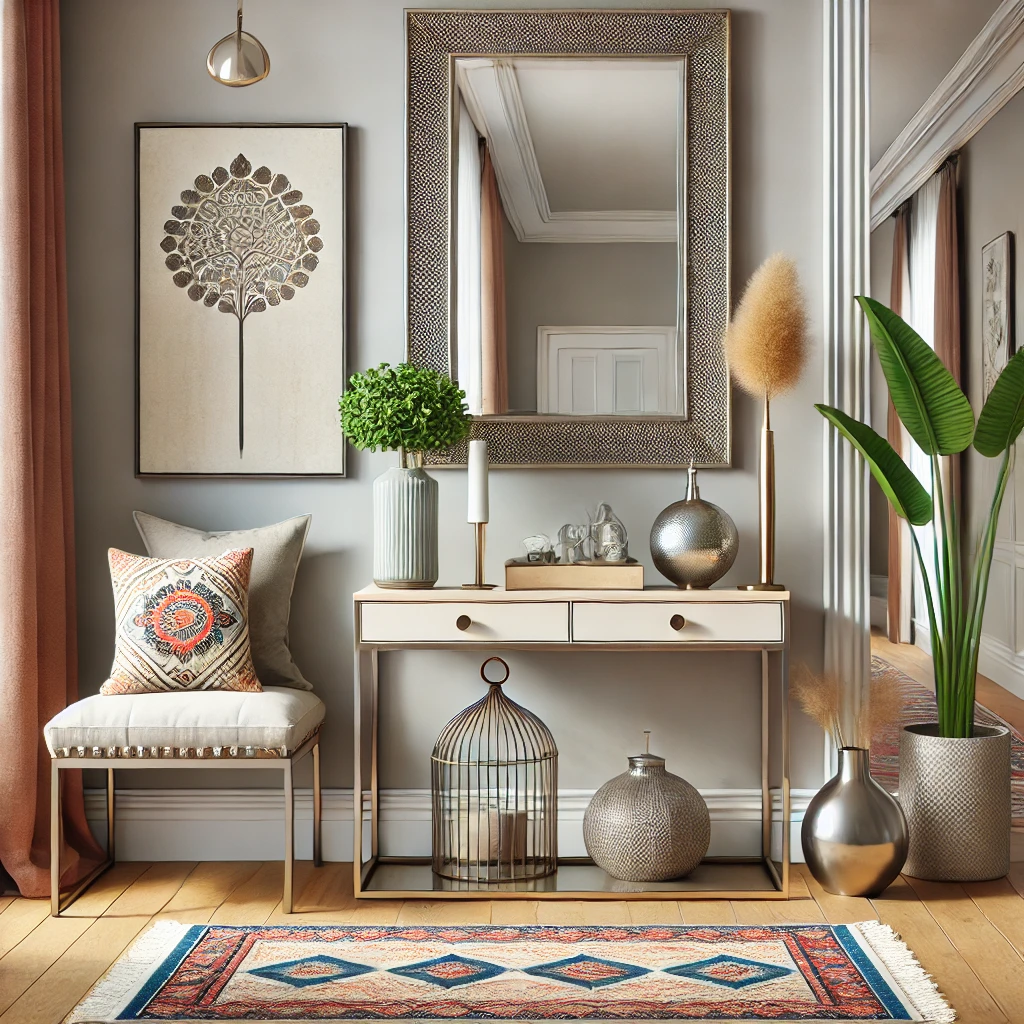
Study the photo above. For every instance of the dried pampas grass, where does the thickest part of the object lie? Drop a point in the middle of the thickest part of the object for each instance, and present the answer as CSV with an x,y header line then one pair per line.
x,y
820,695
766,342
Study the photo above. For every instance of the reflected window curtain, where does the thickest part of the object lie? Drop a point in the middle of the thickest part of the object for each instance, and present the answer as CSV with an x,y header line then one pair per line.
x,y
468,263
901,563
38,652
493,339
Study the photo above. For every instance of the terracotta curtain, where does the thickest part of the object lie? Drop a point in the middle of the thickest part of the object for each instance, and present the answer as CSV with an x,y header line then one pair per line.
x,y
493,341
898,618
38,653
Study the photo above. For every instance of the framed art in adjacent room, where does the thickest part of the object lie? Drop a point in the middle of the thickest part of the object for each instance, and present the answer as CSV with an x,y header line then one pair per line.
x,y
240,299
997,342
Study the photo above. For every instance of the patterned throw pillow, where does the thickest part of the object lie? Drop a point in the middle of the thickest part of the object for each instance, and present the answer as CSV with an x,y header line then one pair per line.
x,y
181,624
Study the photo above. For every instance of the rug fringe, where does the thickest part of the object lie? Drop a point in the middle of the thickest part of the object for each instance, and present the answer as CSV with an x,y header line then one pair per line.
x,y
915,982
112,992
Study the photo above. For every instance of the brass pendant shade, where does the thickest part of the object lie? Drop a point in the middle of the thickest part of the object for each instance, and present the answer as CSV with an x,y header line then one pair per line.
x,y
239,58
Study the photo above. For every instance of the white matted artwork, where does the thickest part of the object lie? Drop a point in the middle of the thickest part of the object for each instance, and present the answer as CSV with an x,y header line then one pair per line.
x,y
996,307
240,348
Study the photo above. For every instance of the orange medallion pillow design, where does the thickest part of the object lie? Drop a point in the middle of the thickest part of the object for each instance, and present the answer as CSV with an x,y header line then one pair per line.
x,y
182,624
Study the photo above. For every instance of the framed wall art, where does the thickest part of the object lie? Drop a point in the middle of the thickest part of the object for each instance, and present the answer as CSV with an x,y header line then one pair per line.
x,y
997,342
240,299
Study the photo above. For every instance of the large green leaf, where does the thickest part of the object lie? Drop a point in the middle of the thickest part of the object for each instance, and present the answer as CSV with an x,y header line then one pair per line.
x,y
905,492
1002,417
929,401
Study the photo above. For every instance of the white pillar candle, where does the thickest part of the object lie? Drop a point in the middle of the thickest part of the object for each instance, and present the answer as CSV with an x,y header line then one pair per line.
x,y
479,511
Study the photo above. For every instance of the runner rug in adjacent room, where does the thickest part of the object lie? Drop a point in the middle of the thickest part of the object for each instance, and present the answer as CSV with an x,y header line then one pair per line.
x,y
490,972
919,706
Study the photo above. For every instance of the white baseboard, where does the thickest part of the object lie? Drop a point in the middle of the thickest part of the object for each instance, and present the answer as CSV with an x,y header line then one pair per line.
x,y
879,613
245,824
923,636
1002,665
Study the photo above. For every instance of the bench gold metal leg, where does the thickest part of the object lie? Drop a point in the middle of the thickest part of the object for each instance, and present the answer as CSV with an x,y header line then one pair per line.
x,y
289,836
318,859
55,818
110,814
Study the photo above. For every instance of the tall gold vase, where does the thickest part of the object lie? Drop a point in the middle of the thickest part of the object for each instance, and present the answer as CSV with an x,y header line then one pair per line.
x,y
766,509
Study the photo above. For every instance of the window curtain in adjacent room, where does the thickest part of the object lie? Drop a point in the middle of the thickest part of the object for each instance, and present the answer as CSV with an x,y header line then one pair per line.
x,y
493,341
38,654
468,262
901,565
933,310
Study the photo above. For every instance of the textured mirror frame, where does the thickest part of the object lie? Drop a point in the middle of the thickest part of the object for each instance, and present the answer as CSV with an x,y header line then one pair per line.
x,y
434,39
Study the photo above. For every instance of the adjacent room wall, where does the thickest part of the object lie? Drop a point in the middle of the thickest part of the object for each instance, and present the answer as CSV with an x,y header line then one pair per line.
x,y
990,184
341,60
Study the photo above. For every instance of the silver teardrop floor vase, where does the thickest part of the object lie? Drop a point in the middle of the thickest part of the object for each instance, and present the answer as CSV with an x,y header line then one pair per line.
x,y
405,529
647,825
854,833
956,795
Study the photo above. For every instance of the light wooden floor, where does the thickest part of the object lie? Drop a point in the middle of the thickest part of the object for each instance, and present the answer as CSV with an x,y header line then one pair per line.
x,y
969,937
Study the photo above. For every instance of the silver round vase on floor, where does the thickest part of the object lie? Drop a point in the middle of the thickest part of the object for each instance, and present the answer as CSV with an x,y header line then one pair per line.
x,y
854,834
647,825
694,542
956,795
405,528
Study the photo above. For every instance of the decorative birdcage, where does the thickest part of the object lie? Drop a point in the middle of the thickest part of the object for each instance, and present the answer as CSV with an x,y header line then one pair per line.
x,y
494,781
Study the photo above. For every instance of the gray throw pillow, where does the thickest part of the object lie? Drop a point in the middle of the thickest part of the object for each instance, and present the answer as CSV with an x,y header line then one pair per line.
x,y
276,553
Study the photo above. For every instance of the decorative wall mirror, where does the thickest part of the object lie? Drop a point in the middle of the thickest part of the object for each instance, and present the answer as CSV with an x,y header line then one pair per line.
x,y
568,230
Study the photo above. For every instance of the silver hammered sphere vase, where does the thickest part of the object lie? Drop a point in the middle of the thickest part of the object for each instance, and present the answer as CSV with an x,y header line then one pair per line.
x,y
956,795
647,825
405,526
694,542
854,834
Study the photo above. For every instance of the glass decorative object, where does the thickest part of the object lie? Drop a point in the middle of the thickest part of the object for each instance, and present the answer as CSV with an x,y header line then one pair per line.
x,y
494,784
608,536
647,825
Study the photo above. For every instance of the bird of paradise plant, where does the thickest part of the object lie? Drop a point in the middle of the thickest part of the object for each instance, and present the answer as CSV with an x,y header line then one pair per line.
x,y
939,417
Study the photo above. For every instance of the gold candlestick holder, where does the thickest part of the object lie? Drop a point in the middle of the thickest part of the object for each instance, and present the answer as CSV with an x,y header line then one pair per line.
x,y
481,546
766,503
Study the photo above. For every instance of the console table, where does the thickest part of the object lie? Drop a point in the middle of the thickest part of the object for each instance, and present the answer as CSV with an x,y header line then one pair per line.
x,y
567,621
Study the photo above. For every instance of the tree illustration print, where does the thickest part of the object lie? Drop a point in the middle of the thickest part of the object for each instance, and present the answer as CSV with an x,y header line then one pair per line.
x,y
242,241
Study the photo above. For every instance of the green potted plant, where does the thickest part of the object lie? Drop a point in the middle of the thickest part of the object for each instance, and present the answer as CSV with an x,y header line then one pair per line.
x,y
954,775
411,410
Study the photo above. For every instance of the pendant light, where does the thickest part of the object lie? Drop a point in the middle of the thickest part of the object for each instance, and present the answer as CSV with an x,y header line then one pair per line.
x,y
239,58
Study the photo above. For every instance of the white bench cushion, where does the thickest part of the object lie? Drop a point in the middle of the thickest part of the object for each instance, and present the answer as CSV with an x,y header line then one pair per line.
x,y
278,717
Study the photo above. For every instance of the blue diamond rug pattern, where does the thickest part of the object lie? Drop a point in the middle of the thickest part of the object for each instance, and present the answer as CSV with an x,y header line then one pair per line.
x,y
310,970
449,971
731,971
587,971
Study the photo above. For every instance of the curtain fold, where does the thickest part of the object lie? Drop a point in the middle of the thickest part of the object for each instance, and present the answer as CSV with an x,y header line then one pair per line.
x,y
897,597
38,652
493,340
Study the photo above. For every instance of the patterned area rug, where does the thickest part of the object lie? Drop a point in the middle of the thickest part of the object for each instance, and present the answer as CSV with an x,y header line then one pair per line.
x,y
782,972
919,706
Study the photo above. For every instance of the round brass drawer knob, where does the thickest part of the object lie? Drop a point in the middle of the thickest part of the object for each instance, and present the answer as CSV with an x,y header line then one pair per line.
x,y
677,622
463,622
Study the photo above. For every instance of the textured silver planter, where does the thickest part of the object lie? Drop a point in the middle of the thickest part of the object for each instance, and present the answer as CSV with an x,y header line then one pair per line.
x,y
647,825
956,795
405,529
854,834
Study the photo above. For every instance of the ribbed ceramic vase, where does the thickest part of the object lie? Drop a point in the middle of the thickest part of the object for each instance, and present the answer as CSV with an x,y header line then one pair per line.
x,y
647,825
405,528
854,835
956,795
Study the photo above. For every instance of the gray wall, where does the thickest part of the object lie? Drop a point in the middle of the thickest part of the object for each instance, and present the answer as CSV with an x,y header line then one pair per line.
x,y
144,60
607,284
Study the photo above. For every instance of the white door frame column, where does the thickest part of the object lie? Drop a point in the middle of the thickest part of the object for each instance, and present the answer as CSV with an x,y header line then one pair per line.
x,y
847,350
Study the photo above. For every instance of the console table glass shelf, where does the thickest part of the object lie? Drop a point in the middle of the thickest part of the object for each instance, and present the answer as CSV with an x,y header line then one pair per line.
x,y
656,619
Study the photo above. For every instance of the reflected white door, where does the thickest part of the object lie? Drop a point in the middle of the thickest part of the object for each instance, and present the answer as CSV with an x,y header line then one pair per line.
x,y
616,371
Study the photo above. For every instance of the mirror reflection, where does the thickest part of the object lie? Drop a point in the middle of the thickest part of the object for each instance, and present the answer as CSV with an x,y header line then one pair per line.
x,y
567,185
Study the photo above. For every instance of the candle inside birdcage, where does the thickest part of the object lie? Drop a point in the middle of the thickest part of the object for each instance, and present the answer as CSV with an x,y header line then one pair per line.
x,y
494,787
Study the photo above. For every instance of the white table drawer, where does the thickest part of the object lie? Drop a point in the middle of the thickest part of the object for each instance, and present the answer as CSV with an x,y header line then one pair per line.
x,y
650,622
446,622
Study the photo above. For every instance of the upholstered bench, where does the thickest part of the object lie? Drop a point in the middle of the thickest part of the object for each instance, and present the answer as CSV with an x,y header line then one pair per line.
x,y
194,729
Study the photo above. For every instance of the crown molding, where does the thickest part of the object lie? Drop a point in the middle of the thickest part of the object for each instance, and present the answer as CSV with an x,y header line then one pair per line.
x,y
983,80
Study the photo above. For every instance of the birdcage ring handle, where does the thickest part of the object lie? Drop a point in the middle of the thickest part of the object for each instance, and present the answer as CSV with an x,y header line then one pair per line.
x,y
483,671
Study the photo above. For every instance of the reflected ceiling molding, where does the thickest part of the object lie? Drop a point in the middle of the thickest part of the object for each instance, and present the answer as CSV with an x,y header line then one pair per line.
x,y
491,92
983,80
